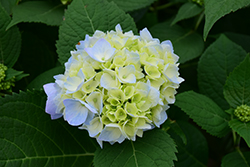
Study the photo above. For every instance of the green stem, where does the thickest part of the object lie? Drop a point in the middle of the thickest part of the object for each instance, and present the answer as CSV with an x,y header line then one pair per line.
x,y
163,6
234,138
242,156
199,20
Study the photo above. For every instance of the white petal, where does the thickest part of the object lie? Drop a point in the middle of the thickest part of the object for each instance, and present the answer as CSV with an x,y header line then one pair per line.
x,y
101,51
111,134
75,113
95,127
109,80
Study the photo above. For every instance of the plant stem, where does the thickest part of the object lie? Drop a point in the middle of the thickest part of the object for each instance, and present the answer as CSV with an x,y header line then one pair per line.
x,y
242,156
163,6
199,20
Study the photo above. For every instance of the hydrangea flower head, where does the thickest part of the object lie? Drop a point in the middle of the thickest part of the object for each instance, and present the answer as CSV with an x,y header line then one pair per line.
x,y
116,85
243,113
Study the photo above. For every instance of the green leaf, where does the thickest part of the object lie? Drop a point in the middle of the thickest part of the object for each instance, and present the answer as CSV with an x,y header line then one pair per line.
x,y
130,5
204,112
10,73
236,159
215,9
187,10
195,152
30,138
154,149
237,87
10,41
215,64
85,17
242,129
187,44
8,5
45,77
38,11
175,128
20,76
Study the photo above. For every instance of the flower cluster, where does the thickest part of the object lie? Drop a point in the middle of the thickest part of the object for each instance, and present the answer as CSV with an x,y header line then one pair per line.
x,y
116,85
5,84
243,113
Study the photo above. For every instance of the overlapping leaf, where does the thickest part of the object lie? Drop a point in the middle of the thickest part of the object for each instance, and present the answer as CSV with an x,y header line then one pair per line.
x,y
195,152
187,44
237,88
130,5
38,11
155,149
84,17
186,11
30,138
10,41
204,112
8,5
236,159
215,9
214,67
242,129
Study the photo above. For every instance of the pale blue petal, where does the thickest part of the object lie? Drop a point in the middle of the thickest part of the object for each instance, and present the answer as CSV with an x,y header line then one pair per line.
x,y
101,51
110,134
75,113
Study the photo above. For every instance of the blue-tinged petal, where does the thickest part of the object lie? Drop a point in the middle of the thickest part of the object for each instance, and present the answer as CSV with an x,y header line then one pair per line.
x,y
111,133
101,51
52,90
75,113
145,35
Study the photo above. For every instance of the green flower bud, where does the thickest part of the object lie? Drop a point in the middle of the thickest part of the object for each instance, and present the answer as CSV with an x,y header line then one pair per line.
x,y
200,2
243,113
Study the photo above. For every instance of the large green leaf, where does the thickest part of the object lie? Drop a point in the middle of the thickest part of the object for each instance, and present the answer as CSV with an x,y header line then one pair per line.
x,y
214,67
187,10
45,77
130,5
187,44
84,17
237,87
10,41
8,5
38,11
154,149
204,112
30,138
236,159
242,129
215,9
195,152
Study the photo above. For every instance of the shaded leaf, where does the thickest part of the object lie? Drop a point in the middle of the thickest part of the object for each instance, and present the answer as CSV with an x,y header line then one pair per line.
x,y
10,41
37,11
154,149
204,112
215,9
130,5
84,17
175,128
195,152
236,159
187,44
242,129
241,39
45,77
187,10
237,87
30,138
8,5
215,64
